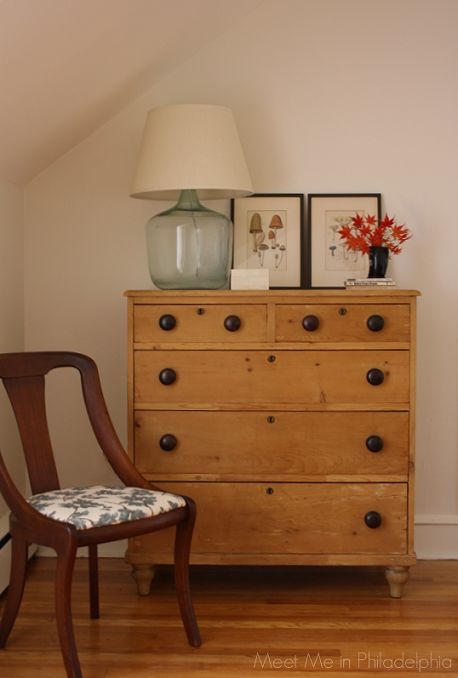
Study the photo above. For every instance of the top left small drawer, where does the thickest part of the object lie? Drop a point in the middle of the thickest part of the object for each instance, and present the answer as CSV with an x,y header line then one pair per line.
x,y
195,323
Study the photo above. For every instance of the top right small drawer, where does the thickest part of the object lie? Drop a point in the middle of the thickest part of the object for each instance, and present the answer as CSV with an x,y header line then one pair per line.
x,y
342,322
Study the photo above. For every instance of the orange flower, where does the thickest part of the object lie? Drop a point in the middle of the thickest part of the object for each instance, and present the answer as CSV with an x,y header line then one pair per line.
x,y
364,232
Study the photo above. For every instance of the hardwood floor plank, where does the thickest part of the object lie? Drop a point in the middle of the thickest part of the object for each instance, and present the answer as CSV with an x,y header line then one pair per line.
x,y
329,621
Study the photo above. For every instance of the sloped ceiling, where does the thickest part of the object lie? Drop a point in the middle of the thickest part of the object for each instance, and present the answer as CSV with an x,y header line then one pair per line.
x,y
66,66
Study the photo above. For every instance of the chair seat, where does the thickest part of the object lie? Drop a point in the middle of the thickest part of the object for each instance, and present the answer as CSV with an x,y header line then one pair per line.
x,y
86,507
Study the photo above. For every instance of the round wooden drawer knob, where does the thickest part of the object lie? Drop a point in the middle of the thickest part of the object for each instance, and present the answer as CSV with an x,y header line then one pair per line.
x,y
168,442
310,323
167,322
375,377
375,323
373,519
232,323
167,376
374,443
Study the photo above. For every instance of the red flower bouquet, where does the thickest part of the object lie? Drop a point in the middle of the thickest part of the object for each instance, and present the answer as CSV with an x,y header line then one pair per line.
x,y
364,232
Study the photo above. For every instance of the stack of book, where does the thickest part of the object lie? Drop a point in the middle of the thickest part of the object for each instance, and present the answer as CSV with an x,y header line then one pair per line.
x,y
357,283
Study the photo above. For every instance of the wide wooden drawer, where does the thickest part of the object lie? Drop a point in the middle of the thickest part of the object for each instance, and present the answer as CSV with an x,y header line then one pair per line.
x,y
200,323
284,445
342,322
242,378
288,518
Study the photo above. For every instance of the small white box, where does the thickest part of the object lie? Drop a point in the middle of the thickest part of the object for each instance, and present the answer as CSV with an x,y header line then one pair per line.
x,y
250,279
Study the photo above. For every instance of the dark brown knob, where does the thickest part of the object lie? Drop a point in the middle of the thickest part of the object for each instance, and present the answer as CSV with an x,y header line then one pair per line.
x,y
167,322
269,490
375,323
168,442
375,377
232,323
167,376
374,443
310,323
373,519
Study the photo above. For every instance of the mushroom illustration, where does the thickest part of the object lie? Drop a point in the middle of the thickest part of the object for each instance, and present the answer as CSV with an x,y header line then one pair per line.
x,y
256,230
261,251
279,257
259,238
275,224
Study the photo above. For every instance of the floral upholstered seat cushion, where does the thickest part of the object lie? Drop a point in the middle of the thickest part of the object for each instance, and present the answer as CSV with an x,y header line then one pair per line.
x,y
86,507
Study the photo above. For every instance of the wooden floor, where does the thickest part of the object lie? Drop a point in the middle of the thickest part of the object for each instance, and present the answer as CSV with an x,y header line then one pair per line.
x,y
327,621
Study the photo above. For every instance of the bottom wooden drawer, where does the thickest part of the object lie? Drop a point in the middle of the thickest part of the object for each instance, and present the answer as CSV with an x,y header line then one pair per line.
x,y
285,518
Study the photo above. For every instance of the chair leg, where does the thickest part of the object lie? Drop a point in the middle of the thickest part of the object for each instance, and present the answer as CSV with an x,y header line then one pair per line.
x,y
93,581
183,539
19,551
63,591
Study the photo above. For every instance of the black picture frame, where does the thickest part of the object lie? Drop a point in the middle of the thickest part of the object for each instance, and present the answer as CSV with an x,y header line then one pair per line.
x,y
274,238
330,262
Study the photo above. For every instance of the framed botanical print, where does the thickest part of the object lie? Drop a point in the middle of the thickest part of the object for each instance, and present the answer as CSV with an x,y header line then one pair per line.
x,y
331,263
268,234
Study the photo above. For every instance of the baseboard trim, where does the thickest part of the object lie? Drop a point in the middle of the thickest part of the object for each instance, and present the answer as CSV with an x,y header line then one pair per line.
x,y
5,552
436,536
4,540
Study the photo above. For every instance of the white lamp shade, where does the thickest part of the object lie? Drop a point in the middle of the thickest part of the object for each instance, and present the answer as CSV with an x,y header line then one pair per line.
x,y
191,146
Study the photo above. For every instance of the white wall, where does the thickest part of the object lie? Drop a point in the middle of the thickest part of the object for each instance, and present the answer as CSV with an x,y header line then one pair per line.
x,y
11,305
11,335
330,96
11,268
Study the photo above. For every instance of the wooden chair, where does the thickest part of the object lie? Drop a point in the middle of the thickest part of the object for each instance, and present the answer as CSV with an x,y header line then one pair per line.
x,y
66,519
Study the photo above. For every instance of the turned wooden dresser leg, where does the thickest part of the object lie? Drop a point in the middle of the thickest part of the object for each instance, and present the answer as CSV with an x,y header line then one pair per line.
x,y
143,575
396,578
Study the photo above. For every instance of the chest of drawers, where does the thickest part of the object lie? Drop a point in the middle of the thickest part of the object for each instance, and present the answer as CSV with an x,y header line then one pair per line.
x,y
288,415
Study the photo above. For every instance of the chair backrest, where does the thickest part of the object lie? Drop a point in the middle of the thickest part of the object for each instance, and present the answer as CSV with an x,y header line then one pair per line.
x,y
23,375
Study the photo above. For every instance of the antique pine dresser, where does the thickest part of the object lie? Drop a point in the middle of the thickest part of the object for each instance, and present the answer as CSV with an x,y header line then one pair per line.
x,y
288,415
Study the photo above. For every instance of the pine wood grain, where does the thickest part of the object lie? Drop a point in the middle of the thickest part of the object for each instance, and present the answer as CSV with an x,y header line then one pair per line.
x,y
337,440
280,518
254,621
270,424
270,376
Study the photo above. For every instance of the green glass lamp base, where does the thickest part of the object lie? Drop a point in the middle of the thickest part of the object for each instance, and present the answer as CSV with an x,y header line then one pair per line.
x,y
189,246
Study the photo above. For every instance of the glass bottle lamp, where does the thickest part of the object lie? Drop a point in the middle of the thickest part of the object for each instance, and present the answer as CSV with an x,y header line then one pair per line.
x,y
190,152
189,246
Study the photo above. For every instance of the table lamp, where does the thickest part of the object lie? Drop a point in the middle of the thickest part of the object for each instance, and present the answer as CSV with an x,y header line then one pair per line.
x,y
190,152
